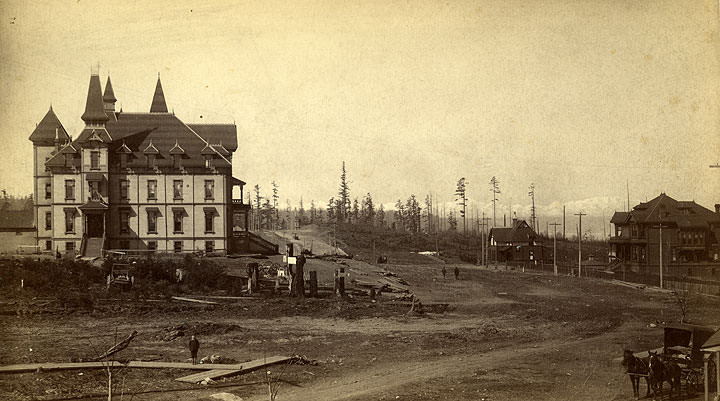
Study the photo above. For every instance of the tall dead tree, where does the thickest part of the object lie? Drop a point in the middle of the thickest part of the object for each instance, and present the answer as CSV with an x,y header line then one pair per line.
x,y
461,199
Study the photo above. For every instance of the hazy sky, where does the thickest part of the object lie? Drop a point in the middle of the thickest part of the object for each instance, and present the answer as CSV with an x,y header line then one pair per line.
x,y
575,96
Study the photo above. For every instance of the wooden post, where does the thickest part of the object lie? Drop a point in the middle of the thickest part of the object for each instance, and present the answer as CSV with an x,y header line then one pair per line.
x,y
313,284
705,376
717,373
340,282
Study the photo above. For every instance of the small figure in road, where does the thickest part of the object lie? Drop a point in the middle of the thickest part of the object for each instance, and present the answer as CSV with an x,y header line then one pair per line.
x,y
444,272
457,272
194,347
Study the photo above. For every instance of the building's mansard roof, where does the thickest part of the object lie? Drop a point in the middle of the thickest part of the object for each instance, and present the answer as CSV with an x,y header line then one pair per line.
x,y
668,211
218,134
45,132
142,134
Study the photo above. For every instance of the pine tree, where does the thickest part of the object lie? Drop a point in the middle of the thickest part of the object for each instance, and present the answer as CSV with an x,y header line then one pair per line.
x,y
400,214
275,198
301,214
428,214
368,216
380,217
344,196
331,211
355,211
452,221
461,199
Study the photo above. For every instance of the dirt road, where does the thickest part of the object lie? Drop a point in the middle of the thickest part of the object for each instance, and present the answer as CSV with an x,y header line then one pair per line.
x,y
504,335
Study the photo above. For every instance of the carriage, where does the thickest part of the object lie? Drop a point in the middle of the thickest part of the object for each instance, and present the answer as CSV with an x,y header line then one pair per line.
x,y
682,344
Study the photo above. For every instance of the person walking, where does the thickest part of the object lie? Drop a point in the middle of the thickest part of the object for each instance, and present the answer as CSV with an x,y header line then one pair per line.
x,y
194,347
457,273
444,272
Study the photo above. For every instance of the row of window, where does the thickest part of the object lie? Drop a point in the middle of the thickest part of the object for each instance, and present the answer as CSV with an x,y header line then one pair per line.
x,y
152,246
692,238
125,186
178,216
125,219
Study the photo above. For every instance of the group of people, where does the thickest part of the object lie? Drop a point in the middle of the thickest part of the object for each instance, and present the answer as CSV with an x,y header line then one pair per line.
x,y
456,271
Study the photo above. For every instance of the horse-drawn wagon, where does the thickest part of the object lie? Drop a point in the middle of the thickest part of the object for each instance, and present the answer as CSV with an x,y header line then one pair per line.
x,y
679,360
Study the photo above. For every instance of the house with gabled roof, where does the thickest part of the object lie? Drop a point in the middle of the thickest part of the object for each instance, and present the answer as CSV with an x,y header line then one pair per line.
x,y
686,232
518,243
136,182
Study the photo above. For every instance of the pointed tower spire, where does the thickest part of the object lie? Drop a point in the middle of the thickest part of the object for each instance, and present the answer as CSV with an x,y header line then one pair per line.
x,y
109,95
94,109
158,103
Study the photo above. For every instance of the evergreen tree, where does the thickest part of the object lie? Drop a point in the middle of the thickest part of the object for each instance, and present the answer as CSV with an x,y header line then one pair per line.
x,y
331,211
461,199
344,196
355,211
452,221
275,198
302,220
400,215
368,215
380,217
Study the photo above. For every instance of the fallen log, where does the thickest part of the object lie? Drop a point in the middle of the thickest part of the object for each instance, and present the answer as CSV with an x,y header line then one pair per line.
x,y
117,347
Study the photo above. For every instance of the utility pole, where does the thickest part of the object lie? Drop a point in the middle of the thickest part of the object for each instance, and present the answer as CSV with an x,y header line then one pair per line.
x,y
580,215
485,248
661,255
531,194
555,269
564,222
495,189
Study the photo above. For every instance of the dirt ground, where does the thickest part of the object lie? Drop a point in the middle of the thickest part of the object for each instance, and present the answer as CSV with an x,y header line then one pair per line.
x,y
491,335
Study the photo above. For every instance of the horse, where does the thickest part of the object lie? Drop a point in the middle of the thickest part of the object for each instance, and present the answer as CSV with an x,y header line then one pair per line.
x,y
635,366
660,371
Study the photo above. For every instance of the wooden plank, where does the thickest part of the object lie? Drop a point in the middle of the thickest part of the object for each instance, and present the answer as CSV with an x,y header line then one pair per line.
x,y
31,367
194,300
247,367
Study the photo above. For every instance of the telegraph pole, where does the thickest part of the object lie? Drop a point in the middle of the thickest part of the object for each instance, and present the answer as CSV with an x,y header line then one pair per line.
x,y
580,215
661,255
555,269
495,189
485,248
531,194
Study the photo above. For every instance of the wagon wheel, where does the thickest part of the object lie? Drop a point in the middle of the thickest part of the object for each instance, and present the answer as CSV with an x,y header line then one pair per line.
x,y
693,382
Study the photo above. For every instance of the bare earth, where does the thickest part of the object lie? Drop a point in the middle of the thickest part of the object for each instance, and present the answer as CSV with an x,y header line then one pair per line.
x,y
492,335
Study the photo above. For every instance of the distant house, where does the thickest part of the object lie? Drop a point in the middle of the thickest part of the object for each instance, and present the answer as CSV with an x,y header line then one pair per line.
x,y
17,230
690,234
518,243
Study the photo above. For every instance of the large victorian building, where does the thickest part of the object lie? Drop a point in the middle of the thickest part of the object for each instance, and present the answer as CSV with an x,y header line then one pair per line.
x,y
682,233
136,182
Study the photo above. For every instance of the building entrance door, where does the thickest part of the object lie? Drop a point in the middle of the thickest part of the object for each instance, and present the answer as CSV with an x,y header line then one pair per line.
x,y
95,222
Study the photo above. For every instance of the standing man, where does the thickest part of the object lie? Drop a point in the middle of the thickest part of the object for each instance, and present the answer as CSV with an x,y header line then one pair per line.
x,y
444,272
194,347
457,272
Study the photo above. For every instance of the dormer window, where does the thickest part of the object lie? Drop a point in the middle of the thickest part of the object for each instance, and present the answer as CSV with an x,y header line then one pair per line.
x,y
151,161
176,161
123,160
